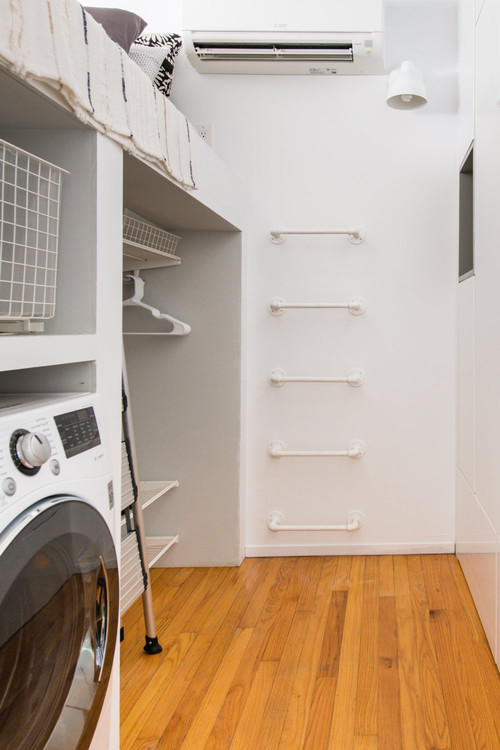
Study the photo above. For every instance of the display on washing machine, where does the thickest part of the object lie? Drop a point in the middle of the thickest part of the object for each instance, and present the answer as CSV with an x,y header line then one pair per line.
x,y
78,431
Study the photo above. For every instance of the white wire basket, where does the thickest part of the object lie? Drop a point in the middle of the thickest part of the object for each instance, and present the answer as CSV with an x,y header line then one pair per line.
x,y
142,234
30,199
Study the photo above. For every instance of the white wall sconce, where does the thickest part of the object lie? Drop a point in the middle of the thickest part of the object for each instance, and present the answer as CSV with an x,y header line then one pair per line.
x,y
406,87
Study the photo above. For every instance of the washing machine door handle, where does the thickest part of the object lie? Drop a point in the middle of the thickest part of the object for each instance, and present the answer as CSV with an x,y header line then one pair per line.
x,y
23,520
101,629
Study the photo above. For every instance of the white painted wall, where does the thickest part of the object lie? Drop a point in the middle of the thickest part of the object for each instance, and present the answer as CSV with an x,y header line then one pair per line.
x,y
320,152
164,16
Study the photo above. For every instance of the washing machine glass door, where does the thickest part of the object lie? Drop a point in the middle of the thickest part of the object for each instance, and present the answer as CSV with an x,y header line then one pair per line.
x,y
58,624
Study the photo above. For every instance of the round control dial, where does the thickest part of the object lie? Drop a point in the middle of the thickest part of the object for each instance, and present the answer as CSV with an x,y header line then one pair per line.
x,y
29,450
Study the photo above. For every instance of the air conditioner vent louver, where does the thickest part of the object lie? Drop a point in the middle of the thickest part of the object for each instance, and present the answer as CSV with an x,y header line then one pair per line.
x,y
281,51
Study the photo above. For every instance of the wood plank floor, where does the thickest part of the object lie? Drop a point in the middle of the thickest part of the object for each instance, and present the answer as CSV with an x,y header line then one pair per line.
x,y
312,653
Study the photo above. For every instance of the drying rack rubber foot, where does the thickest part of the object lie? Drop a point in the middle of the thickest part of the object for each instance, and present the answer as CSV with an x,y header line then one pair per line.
x,y
152,646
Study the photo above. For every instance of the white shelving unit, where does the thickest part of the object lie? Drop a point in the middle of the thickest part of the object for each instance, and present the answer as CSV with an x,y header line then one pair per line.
x,y
40,350
81,347
136,256
148,246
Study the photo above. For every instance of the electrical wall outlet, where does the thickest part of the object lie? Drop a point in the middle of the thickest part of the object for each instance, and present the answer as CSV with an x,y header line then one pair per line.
x,y
205,132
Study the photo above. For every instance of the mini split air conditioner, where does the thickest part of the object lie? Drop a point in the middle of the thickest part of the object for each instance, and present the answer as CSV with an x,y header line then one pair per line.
x,y
310,37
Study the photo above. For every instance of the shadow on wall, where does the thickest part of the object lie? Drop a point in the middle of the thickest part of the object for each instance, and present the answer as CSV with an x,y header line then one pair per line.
x,y
426,32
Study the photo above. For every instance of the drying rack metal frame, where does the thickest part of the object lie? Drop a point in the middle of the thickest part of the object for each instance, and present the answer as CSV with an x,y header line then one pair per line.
x,y
152,646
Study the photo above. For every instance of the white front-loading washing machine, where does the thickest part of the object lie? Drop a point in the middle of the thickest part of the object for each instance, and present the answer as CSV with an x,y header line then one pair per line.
x,y
59,595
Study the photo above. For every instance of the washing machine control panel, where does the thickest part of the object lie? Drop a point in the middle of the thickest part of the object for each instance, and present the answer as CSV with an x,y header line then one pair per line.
x,y
78,431
46,442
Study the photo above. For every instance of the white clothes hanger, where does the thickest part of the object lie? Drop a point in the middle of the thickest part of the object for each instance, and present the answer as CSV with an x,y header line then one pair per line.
x,y
179,328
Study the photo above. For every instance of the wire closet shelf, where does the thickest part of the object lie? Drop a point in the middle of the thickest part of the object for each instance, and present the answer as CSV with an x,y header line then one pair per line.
x,y
30,202
146,245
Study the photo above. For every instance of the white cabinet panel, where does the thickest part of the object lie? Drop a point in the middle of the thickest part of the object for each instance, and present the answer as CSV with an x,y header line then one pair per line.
x,y
466,76
487,261
466,379
478,6
477,552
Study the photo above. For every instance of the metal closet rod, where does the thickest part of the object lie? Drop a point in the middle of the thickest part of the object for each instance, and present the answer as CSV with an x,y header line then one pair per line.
x,y
356,235
277,449
356,306
354,521
278,377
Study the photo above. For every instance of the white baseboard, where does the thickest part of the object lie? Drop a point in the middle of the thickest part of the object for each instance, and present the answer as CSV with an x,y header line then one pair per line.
x,y
305,550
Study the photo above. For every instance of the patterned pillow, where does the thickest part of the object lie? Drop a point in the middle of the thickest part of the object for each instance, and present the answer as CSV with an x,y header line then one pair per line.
x,y
160,40
155,54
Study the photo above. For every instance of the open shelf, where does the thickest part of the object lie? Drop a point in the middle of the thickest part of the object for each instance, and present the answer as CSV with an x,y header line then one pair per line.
x,y
39,350
136,256
72,290
65,378
156,546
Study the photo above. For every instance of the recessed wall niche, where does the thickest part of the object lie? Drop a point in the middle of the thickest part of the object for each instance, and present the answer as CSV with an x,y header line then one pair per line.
x,y
466,217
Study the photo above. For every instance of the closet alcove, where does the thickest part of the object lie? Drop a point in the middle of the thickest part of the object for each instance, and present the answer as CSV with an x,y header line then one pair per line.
x,y
185,391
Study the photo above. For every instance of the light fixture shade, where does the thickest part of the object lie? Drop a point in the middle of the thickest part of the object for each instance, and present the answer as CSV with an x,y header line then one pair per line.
x,y
406,87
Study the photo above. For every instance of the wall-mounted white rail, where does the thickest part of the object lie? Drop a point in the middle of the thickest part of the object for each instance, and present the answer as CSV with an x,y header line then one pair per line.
x,y
356,235
278,377
356,306
276,449
354,521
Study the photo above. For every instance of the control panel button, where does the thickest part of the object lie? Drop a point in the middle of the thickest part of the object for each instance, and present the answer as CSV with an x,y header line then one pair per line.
x,y
9,486
55,467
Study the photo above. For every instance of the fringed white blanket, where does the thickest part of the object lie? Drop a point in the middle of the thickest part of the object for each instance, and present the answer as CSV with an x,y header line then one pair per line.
x,y
56,42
